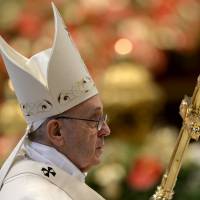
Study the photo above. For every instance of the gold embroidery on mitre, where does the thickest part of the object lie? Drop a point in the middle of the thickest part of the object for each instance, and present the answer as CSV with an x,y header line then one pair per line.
x,y
35,108
79,88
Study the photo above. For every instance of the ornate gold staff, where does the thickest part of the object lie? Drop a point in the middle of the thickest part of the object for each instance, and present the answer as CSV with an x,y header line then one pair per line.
x,y
190,112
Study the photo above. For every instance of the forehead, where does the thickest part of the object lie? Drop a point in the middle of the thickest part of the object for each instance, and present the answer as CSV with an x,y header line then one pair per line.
x,y
93,104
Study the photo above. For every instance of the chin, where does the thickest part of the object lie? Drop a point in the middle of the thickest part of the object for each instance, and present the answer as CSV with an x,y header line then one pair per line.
x,y
93,162
97,159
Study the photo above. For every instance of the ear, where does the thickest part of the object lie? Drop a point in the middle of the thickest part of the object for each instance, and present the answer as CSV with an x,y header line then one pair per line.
x,y
53,133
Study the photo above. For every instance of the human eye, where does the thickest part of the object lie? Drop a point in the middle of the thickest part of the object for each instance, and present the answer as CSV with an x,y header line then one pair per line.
x,y
92,124
96,116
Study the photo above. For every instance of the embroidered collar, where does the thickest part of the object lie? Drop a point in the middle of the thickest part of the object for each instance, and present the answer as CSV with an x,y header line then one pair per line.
x,y
49,155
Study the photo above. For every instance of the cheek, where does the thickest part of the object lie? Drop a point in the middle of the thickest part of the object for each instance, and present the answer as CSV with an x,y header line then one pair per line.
x,y
85,141
91,143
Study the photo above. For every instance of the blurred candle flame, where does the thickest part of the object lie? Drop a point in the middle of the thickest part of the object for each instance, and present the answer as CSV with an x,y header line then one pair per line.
x,y
123,46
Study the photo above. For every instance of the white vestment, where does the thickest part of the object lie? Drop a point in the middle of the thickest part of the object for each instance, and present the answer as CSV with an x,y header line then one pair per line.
x,y
44,177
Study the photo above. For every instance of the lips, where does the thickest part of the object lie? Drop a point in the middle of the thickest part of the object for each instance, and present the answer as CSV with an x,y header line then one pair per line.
x,y
100,149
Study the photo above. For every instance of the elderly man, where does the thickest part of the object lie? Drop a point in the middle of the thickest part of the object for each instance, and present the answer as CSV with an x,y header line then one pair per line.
x,y
66,125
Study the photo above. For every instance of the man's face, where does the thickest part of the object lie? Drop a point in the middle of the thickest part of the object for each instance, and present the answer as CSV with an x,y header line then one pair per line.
x,y
83,142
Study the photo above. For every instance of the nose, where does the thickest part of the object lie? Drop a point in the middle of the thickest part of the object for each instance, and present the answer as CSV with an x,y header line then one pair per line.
x,y
105,130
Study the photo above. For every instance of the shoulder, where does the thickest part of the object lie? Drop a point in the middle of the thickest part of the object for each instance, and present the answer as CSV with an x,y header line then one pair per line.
x,y
30,186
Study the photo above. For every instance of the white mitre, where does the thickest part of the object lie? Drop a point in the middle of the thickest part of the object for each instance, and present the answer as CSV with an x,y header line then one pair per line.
x,y
48,83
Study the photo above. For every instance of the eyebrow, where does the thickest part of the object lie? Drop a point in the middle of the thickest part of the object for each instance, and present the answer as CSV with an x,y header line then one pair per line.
x,y
94,112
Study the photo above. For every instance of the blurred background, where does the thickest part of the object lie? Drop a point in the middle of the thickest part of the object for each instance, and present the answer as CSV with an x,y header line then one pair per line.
x,y
144,56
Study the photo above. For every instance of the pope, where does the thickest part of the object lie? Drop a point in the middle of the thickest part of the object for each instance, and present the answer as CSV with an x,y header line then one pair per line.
x,y
66,126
